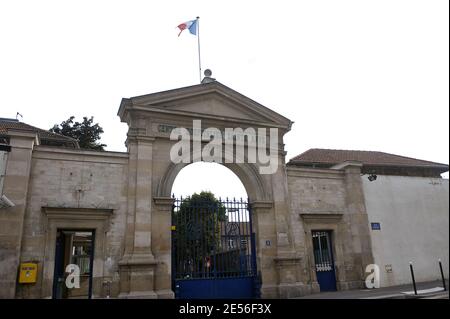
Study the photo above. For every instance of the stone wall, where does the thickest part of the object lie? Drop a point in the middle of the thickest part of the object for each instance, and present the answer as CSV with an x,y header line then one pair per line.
x,y
57,188
328,199
74,182
15,187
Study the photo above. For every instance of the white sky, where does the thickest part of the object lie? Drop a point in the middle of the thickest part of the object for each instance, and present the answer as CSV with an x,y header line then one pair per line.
x,y
212,177
368,75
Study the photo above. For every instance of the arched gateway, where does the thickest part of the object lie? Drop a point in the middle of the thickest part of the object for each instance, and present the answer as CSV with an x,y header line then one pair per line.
x,y
111,214
213,109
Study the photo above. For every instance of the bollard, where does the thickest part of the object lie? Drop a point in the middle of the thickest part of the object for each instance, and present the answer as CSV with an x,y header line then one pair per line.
x,y
412,276
442,275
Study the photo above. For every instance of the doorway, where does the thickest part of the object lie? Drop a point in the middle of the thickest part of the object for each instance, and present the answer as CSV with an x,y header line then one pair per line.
x,y
76,248
213,242
324,262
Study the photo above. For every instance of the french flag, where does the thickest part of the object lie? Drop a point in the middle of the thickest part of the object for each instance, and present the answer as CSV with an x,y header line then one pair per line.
x,y
191,25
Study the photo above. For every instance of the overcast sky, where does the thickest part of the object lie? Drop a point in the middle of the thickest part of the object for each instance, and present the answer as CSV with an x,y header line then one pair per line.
x,y
364,75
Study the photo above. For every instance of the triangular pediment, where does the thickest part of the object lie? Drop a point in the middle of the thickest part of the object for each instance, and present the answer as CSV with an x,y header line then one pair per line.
x,y
216,105
209,100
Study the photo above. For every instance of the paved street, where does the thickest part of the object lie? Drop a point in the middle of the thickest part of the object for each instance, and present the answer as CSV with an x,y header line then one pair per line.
x,y
426,290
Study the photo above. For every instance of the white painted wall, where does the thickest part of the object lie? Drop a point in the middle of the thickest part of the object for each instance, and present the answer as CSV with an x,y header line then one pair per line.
x,y
414,217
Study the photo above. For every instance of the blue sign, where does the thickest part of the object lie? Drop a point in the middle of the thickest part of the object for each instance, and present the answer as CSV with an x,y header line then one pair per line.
x,y
375,226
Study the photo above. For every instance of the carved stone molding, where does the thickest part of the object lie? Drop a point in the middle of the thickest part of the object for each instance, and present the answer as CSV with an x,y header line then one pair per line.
x,y
287,261
261,204
77,213
321,217
163,203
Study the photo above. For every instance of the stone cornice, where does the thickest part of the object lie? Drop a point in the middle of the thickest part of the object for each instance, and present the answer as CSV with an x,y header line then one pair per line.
x,y
163,201
53,153
140,139
22,139
314,172
202,116
77,213
261,204
21,133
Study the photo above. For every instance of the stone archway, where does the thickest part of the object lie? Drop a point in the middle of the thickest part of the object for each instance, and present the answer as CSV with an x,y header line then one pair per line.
x,y
145,267
246,172
213,238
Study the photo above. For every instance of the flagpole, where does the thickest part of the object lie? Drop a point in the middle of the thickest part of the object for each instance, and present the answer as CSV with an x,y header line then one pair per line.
x,y
198,39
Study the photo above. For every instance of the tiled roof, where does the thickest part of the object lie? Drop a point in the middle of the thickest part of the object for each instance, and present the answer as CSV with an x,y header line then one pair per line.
x,y
45,137
368,158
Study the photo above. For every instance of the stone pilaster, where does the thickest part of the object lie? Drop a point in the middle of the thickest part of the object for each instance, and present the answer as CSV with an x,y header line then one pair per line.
x,y
359,221
281,210
137,267
287,260
266,250
15,188
162,246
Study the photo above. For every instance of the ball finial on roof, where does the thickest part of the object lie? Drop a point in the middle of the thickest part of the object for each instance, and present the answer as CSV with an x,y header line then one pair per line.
x,y
207,72
208,78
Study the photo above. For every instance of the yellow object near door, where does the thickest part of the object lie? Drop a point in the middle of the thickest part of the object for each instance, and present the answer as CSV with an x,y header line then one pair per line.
x,y
28,273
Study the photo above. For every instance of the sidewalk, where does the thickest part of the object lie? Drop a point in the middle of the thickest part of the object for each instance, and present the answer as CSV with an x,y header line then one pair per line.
x,y
426,290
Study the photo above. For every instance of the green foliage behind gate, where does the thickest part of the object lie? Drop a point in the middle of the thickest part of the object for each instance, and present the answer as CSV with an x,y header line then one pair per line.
x,y
197,236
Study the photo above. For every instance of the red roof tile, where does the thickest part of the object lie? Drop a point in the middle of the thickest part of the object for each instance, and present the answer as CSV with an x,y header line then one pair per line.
x,y
46,137
368,158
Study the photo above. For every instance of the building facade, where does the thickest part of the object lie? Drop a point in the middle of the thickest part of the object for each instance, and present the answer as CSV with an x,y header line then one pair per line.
x,y
110,213
406,202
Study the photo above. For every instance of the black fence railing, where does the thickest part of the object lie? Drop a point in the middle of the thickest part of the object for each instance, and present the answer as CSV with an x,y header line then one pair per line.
x,y
212,238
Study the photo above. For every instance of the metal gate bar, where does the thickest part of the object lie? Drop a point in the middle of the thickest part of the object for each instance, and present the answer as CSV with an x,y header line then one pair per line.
x,y
212,240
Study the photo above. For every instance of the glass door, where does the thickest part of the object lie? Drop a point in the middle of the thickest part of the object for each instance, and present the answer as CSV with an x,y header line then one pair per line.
x,y
73,264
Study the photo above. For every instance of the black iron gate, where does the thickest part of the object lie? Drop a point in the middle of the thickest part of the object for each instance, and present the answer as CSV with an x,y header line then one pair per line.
x,y
213,249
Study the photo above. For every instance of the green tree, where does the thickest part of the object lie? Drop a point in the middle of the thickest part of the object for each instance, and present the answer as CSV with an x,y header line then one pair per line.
x,y
197,235
86,133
